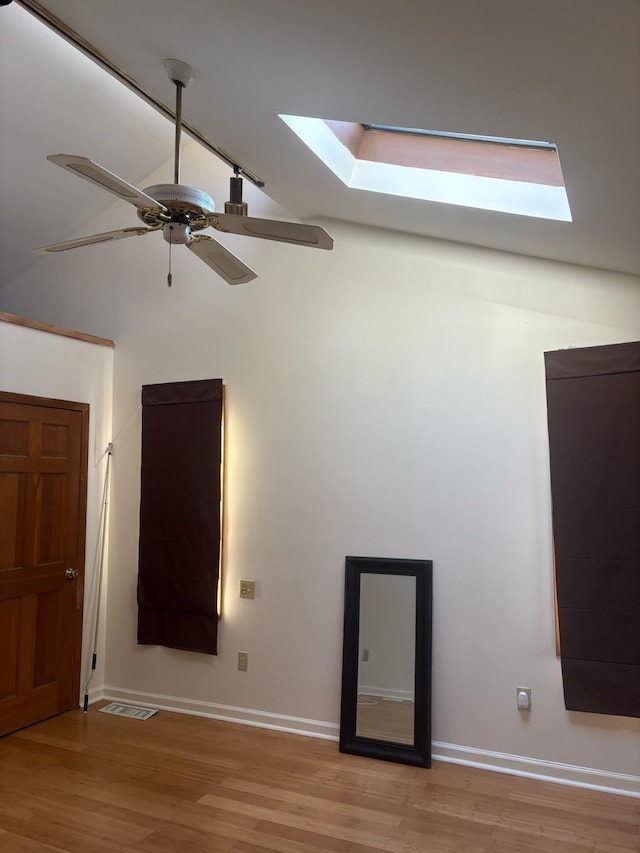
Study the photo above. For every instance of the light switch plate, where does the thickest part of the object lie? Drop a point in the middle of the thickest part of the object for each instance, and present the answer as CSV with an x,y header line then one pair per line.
x,y
247,589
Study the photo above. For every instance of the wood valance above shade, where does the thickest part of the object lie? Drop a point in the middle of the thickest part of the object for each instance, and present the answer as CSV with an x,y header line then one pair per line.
x,y
180,502
593,402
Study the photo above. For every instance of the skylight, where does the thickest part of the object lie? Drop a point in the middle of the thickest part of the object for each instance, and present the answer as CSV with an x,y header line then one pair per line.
x,y
491,173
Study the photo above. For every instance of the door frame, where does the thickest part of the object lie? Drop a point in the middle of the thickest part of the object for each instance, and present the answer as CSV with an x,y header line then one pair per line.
x,y
83,408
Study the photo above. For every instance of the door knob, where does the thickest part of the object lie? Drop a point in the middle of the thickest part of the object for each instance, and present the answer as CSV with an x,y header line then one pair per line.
x,y
71,574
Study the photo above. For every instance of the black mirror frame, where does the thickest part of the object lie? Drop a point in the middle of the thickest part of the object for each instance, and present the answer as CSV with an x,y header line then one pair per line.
x,y
418,753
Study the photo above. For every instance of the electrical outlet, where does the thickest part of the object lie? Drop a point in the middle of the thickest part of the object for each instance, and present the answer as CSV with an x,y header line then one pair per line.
x,y
247,589
243,661
365,655
523,698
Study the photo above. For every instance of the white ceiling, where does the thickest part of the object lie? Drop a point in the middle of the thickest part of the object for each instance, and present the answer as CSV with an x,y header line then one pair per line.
x,y
566,72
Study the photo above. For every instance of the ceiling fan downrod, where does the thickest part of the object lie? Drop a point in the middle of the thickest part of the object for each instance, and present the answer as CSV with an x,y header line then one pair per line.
x,y
181,74
176,155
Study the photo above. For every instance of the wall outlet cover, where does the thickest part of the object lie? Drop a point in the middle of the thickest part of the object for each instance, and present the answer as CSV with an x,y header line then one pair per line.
x,y
523,698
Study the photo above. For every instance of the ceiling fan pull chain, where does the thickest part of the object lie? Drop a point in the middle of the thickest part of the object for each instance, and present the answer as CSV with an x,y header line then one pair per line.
x,y
169,276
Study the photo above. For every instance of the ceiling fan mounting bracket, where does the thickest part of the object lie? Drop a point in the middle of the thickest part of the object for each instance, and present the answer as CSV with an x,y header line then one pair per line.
x,y
236,205
180,73
241,209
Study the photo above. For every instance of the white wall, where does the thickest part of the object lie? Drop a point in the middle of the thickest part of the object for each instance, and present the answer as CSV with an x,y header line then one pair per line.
x,y
47,365
386,399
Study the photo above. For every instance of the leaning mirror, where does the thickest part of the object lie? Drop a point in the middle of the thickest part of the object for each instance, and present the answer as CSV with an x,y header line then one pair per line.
x,y
386,667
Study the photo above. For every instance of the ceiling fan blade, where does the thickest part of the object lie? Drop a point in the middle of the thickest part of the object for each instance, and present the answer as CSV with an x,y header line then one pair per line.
x,y
90,171
95,238
224,262
272,229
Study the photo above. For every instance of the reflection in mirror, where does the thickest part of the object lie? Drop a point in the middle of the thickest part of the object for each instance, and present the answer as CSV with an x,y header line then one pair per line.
x,y
385,709
386,658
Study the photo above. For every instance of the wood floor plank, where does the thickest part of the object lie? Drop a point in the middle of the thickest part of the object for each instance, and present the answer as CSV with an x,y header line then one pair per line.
x,y
154,799
316,804
292,839
16,844
446,832
97,783
186,838
511,841
36,736
50,807
9,808
19,759
344,829
471,779
578,801
53,830
139,824
458,803
561,825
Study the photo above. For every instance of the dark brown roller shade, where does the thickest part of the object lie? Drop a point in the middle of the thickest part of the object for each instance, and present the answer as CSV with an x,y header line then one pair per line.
x,y
179,548
593,403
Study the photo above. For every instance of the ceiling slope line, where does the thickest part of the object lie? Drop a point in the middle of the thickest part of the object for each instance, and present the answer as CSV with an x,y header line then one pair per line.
x,y
89,50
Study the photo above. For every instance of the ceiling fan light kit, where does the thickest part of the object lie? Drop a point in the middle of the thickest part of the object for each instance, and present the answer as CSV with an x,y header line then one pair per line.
x,y
179,210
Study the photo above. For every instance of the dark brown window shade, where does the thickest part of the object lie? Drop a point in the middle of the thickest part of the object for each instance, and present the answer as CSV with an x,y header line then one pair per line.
x,y
593,401
180,501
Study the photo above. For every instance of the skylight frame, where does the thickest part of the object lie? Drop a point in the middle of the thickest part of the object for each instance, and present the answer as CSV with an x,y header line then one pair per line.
x,y
546,199
471,137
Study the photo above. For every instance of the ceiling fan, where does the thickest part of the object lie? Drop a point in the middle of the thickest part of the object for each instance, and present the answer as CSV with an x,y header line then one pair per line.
x,y
180,211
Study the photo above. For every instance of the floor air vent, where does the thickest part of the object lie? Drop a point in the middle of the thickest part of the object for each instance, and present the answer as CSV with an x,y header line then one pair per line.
x,y
131,711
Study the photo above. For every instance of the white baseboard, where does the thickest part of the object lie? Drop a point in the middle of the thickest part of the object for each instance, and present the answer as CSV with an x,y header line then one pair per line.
x,y
387,693
498,762
226,713
535,768
96,694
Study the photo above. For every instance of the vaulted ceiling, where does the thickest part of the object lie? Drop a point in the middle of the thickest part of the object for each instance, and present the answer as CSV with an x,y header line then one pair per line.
x,y
565,72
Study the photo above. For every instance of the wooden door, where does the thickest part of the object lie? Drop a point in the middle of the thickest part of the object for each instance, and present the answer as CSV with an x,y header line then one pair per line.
x,y
43,463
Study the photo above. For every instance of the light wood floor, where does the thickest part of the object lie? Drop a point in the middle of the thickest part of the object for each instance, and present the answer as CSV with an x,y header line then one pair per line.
x,y
180,784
